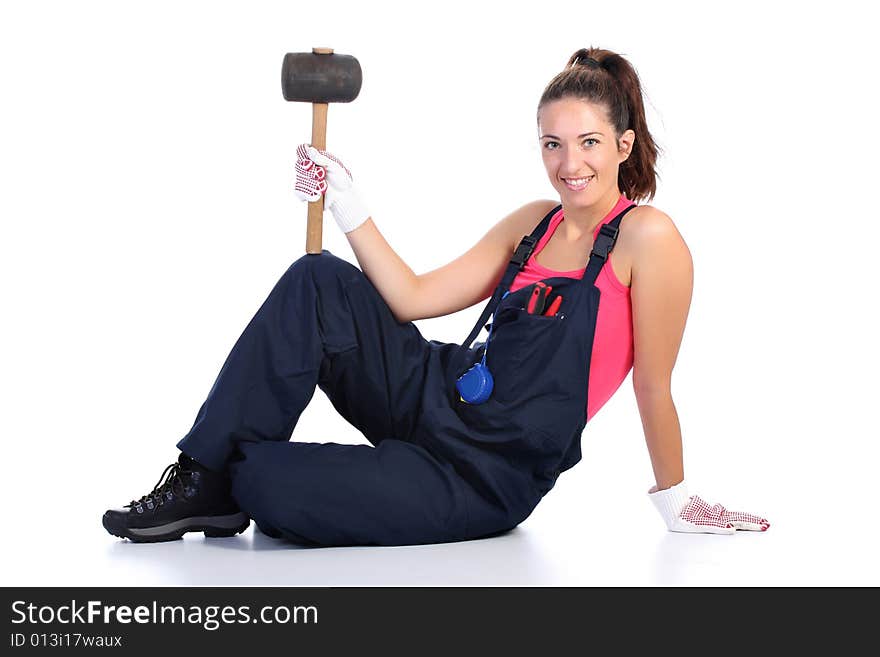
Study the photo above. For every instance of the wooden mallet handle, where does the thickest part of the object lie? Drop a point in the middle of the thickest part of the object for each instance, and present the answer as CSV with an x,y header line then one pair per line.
x,y
314,223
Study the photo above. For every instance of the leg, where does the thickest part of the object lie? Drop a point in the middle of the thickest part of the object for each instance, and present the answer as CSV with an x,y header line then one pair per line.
x,y
322,324
327,494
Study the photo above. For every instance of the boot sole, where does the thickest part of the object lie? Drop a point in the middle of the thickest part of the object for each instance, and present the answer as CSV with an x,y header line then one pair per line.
x,y
211,526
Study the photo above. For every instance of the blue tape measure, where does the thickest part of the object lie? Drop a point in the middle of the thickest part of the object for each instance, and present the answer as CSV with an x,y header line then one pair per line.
x,y
475,385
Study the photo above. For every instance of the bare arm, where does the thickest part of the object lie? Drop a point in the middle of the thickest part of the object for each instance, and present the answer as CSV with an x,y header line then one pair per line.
x,y
460,284
662,286
391,276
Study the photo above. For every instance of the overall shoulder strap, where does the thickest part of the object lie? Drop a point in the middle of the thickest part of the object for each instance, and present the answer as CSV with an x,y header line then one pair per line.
x,y
517,261
603,245
524,251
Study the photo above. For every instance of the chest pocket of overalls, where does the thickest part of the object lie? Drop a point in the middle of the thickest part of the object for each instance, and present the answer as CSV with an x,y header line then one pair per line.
x,y
530,355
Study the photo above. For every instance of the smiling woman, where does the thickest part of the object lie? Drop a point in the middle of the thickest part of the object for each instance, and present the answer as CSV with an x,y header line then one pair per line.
x,y
465,440
595,143
611,87
600,157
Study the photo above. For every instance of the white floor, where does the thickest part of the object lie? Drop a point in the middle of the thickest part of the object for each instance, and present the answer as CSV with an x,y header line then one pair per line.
x,y
542,551
595,528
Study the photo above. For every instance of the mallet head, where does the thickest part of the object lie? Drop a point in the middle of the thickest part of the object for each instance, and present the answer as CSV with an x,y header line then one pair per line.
x,y
320,77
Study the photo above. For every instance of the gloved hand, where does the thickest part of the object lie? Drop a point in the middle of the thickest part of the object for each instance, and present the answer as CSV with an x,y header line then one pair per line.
x,y
310,183
684,513
342,197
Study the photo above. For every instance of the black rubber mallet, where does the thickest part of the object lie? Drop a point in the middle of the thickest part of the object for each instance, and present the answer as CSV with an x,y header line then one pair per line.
x,y
319,77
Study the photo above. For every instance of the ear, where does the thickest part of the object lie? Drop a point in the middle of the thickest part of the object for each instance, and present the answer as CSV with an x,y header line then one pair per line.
x,y
625,144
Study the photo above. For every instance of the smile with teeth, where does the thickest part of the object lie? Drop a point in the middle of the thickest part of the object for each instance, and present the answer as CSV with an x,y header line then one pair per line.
x,y
577,183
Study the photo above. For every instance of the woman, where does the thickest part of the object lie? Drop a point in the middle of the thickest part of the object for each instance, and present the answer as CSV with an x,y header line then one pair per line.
x,y
465,440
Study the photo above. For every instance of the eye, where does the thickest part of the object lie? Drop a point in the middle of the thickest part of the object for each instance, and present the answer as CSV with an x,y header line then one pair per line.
x,y
586,141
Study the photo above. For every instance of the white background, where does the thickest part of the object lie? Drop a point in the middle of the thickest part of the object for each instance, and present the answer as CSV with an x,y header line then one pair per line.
x,y
145,169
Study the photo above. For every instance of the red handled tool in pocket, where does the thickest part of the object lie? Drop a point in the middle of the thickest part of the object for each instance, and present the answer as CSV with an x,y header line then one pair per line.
x,y
538,298
554,306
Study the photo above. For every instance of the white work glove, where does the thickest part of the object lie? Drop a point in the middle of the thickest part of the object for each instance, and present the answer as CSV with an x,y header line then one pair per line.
x,y
318,172
310,183
689,513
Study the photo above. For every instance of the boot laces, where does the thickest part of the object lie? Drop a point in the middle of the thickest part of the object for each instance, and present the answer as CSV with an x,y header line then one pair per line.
x,y
170,484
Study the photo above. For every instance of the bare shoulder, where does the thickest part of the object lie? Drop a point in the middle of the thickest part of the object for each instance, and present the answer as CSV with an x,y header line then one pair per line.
x,y
645,222
653,237
522,221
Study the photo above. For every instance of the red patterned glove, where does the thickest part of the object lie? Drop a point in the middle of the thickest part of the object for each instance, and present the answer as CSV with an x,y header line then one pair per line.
x,y
689,513
310,177
342,198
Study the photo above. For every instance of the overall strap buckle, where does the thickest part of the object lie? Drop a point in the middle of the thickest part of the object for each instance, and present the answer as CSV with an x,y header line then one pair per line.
x,y
523,251
604,242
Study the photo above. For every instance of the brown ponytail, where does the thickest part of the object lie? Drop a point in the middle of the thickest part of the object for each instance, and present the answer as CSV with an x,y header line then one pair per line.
x,y
607,79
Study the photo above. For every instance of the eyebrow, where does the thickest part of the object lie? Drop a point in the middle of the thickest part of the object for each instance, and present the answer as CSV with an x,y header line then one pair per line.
x,y
586,134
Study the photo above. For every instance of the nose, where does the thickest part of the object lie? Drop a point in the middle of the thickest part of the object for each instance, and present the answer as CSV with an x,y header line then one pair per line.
x,y
573,164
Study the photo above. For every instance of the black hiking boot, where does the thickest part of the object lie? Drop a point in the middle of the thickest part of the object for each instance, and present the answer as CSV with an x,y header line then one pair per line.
x,y
188,498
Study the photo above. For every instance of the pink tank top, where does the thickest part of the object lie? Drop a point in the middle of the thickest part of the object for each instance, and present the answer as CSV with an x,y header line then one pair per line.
x,y
612,356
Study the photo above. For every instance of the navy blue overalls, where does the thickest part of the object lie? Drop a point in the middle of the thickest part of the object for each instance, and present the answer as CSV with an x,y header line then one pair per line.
x,y
438,469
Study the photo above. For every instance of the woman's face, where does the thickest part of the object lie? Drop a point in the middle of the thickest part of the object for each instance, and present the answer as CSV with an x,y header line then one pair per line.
x,y
580,152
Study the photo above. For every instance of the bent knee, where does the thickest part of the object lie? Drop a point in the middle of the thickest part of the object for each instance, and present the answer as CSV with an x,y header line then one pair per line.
x,y
323,266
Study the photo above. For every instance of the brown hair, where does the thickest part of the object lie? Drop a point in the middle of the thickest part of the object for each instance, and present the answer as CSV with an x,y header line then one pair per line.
x,y
607,79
